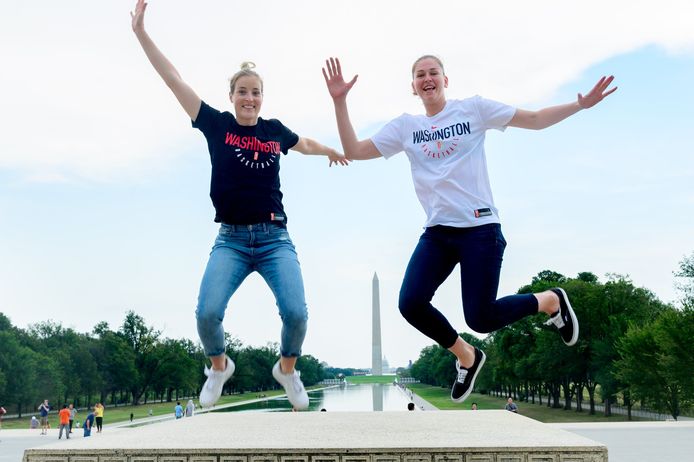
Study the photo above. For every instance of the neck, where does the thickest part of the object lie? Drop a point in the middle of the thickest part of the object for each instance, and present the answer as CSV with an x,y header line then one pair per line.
x,y
247,122
434,107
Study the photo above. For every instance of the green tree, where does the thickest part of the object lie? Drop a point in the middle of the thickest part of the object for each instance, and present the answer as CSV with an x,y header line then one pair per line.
x,y
685,282
650,363
311,370
115,363
174,372
143,342
548,276
21,369
426,368
5,323
622,305
254,368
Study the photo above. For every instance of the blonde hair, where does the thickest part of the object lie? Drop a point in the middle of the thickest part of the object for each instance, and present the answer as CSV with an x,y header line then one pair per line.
x,y
435,58
246,71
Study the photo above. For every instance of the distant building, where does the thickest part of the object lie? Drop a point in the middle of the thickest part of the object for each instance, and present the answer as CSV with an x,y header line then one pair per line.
x,y
385,367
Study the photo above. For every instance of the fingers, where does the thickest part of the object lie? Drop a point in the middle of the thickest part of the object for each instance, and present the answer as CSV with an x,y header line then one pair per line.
x,y
333,67
602,85
610,92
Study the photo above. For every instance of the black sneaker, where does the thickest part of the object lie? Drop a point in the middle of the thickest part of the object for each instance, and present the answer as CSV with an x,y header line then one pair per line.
x,y
462,387
565,319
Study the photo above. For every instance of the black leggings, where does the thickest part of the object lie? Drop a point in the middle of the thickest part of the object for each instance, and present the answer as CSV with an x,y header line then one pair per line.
x,y
99,421
479,251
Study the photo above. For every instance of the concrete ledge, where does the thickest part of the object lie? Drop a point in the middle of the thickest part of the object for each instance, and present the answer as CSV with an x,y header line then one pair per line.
x,y
437,436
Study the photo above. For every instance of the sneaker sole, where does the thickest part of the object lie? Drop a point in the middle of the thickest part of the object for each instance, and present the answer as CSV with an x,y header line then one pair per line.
x,y
231,367
298,407
574,320
472,382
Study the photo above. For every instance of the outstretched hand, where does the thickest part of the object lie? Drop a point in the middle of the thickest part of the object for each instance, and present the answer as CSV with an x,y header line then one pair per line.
x,y
138,16
597,94
337,159
337,86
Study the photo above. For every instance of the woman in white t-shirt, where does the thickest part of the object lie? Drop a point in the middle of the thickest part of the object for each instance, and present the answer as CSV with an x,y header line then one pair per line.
x,y
445,147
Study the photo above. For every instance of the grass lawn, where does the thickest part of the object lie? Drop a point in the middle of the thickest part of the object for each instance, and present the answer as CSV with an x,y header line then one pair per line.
x,y
370,378
122,413
441,398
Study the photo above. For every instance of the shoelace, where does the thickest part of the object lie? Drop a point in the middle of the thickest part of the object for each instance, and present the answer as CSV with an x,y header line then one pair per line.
x,y
209,384
557,320
298,385
462,373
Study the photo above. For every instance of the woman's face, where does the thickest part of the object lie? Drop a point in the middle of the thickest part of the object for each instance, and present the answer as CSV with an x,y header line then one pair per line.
x,y
428,81
247,99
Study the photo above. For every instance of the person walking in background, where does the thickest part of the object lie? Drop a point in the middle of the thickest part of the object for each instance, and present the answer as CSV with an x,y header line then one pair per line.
x,y
43,409
445,147
99,416
474,406
190,408
64,420
34,423
178,410
3,411
245,151
88,424
73,413
511,406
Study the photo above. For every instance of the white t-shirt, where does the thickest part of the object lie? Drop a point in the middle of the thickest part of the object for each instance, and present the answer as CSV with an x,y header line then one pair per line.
x,y
446,153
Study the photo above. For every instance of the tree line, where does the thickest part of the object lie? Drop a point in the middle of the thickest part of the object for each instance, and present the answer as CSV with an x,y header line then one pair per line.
x,y
131,365
632,348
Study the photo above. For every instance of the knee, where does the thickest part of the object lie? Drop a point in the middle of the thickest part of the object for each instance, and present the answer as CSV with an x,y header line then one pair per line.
x,y
294,316
479,323
207,315
409,305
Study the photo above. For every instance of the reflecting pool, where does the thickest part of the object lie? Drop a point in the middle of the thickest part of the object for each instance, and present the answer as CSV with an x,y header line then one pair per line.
x,y
361,397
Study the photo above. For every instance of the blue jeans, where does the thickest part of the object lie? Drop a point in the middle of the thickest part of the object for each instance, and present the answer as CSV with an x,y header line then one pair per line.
x,y
237,252
480,251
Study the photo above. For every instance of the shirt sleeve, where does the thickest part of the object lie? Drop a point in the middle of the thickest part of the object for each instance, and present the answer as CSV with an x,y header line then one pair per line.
x,y
288,137
389,139
207,120
493,113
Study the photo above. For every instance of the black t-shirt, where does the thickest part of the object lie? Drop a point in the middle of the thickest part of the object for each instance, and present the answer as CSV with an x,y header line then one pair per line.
x,y
245,185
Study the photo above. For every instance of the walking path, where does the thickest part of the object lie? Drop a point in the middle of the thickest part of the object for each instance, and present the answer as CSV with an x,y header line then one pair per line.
x,y
420,403
639,441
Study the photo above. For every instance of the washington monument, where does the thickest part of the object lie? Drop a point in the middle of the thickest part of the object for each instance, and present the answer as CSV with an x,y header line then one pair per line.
x,y
376,355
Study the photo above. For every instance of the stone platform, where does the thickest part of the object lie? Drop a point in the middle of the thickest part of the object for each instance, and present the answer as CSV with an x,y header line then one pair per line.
x,y
436,436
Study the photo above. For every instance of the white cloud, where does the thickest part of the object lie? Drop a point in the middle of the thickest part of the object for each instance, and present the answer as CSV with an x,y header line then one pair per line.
x,y
84,100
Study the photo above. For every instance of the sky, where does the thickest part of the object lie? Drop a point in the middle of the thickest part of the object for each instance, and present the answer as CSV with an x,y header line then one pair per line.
x,y
104,185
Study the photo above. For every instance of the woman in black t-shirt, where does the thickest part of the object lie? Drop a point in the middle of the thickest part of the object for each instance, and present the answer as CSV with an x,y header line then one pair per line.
x,y
245,151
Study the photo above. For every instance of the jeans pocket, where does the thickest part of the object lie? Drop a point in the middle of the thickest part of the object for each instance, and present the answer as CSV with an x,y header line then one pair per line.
x,y
278,233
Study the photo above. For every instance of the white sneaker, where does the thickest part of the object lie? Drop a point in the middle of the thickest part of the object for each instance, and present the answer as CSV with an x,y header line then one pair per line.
x,y
212,389
293,386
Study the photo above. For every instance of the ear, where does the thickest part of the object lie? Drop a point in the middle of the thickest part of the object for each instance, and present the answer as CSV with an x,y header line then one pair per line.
x,y
231,97
445,81
414,92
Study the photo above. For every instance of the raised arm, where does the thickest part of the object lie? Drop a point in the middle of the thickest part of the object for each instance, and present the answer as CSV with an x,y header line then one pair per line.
x,y
189,100
537,120
313,147
338,88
